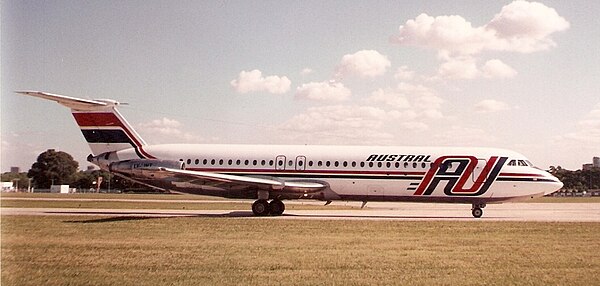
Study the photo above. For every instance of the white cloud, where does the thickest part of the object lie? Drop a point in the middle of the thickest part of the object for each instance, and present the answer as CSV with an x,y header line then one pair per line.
x,y
459,68
497,69
465,67
463,136
490,106
444,33
389,97
525,27
519,27
323,91
403,74
587,133
252,81
417,102
306,71
347,121
166,130
365,63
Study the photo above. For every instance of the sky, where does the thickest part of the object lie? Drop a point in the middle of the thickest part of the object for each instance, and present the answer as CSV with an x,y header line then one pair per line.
x,y
516,75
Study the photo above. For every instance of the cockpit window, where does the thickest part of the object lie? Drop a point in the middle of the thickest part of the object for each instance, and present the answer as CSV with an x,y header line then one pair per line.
x,y
521,163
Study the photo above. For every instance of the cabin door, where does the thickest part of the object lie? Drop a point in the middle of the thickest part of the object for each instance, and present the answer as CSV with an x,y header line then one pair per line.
x,y
280,163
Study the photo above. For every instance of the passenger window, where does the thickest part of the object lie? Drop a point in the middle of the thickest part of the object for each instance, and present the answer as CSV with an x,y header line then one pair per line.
x,y
336,164
423,165
388,164
221,162
353,164
246,162
280,163
189,161
300,163
397,164
270,162
310,163
197,161
237,162
263,162
212,162
204,161
254,162
345,164
405,164
230,162
290,163
415,165
327,164
362,164
370,164
320,163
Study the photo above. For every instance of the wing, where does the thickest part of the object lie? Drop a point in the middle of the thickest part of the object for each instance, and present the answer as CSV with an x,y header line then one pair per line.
x,y
263,182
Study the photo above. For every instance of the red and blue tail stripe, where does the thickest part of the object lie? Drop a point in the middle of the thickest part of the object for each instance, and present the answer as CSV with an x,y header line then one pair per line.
x,y
108,131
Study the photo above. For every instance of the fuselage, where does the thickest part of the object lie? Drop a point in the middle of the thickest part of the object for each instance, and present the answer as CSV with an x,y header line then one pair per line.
x,y
363,173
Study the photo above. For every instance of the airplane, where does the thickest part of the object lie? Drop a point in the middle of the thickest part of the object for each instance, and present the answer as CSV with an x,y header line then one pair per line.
x,y
271,174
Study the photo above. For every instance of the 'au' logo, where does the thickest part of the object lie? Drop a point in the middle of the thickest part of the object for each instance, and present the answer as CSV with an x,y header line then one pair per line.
x,y
456,171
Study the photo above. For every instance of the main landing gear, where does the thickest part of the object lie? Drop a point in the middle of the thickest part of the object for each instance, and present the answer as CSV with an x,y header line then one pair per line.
x,y
477,210
264,208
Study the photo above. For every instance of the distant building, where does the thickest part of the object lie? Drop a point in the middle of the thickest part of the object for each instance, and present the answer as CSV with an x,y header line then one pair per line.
x,y
595,164
15,170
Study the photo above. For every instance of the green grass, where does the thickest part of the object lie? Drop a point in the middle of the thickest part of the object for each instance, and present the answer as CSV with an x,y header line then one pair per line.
x,y
264,251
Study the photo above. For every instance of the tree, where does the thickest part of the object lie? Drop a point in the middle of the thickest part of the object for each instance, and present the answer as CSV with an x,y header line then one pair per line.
x,y
53,167
22,182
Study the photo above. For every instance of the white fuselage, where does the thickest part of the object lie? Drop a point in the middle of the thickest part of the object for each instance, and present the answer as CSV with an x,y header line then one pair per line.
x,y
370,173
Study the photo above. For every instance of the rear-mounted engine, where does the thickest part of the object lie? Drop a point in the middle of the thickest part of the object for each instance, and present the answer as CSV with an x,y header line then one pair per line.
x,y
144,168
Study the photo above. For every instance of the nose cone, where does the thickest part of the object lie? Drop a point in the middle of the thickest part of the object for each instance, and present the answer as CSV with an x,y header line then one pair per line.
x,y
554,184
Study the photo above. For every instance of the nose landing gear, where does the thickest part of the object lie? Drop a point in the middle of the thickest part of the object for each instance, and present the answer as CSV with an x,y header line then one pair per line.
x,y
477,210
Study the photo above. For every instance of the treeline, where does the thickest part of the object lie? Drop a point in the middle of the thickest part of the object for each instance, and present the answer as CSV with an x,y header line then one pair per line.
x,y
59,168
579,180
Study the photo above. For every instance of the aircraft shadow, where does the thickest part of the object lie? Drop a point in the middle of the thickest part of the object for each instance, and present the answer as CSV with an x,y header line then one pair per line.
x,y
120,216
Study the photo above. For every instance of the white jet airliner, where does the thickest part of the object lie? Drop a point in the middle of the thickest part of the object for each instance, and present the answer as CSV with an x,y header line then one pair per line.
x,y
475,176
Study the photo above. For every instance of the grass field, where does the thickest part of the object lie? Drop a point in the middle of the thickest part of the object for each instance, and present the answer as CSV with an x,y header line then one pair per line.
x,y
261,251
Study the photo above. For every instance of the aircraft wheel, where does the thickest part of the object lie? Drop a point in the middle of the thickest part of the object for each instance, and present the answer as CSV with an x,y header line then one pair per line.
x,y
477,212
261,208
277,207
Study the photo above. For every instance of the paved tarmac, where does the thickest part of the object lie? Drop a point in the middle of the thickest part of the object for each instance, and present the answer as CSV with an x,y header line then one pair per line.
x,y
547,212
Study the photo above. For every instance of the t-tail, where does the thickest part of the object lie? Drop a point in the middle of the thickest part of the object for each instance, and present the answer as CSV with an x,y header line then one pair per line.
x,y
102,125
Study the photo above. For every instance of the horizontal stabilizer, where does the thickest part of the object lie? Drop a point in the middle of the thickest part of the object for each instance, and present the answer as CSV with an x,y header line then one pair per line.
x,y
74,103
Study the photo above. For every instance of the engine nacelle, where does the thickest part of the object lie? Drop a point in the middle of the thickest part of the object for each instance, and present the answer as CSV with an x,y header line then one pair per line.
x,y
144,168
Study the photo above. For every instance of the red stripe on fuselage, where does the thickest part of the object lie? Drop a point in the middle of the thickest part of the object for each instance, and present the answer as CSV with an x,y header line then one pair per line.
x,y
519,175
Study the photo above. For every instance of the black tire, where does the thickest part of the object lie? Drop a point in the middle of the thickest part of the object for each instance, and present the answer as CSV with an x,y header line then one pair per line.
x,y
261,208
477,212
277,207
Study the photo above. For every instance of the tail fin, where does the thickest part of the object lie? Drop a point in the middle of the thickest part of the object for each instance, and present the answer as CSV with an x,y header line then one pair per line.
x,y
102,125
